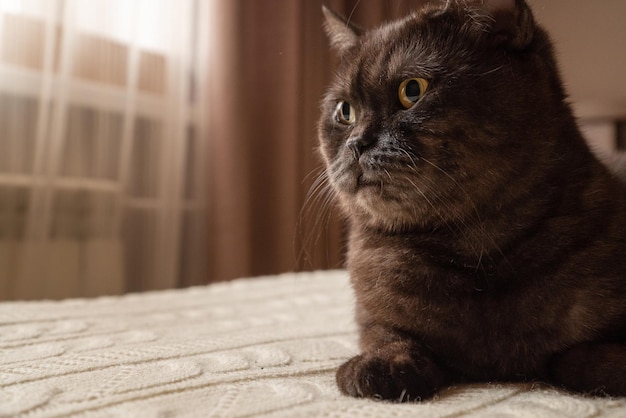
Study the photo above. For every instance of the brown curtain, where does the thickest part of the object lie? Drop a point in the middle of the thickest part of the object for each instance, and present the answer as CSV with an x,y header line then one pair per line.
x,y
270,65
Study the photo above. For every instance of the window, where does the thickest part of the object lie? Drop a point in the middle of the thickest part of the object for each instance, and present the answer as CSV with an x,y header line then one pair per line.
x,y
101,145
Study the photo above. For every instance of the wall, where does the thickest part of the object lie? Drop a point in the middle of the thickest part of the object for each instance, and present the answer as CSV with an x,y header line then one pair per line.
x,y
590,40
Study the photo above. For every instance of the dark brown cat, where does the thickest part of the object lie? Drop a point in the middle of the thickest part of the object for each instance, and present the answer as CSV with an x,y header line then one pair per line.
x,y
486,242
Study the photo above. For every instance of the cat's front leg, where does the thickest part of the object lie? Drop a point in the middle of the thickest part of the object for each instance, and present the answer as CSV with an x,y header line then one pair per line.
x,y
598,369
399,370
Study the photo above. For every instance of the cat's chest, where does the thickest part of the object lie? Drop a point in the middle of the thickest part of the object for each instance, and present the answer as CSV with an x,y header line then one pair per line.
x,y
433,291
403,280
409,292
405,292
459,311
417,269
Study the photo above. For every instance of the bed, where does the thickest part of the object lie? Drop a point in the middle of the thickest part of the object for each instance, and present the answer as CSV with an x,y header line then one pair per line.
x,y
263,347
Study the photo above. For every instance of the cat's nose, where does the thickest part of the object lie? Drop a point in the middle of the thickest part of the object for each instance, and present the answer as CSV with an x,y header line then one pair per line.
x,y
357,144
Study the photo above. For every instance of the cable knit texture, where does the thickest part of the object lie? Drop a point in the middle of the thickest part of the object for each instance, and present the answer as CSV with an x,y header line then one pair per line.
x,y
263,347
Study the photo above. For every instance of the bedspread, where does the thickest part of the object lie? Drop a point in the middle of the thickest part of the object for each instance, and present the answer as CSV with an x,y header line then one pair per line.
x,y
263,347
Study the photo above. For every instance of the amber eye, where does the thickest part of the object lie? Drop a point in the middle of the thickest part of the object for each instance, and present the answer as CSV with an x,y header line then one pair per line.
x,y
345,113
411,90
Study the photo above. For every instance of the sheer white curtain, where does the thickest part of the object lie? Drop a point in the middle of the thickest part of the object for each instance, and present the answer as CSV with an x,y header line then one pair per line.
x,y
102,146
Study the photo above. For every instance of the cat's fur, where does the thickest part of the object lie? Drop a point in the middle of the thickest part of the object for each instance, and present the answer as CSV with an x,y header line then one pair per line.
x,y
486,242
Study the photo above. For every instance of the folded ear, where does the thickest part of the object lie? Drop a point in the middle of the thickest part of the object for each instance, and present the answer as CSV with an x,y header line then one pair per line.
x,y
512,20
343,35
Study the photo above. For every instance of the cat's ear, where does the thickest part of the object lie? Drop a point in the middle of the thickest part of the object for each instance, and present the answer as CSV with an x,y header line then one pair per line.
x,y
343,34
512,20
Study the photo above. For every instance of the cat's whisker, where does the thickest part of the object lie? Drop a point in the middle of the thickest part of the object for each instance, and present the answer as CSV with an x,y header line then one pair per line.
x,y
469,234
411,157
494,70
388,174
352,11
478,223
459,186
480,259
319,185
317,205
432,205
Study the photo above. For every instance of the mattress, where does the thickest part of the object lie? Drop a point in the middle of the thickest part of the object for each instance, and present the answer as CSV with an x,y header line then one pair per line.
x,y
267,346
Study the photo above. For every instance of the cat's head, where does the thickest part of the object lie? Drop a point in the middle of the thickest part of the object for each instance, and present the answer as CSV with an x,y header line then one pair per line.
x,y
429,116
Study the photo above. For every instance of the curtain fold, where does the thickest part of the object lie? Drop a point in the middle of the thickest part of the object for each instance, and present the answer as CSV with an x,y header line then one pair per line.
x,y
271,65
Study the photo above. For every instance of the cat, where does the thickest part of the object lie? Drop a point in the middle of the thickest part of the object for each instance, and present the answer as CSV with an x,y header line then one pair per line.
x,y
485,243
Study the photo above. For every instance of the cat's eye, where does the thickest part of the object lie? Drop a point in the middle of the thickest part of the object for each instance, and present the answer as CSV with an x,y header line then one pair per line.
x,y
345,113
411,91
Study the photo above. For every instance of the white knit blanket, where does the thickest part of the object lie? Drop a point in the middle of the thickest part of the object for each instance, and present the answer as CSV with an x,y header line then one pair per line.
x,y
262,347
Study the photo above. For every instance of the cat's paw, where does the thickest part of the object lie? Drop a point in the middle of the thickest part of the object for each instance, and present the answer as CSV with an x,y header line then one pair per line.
x,y
398,378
